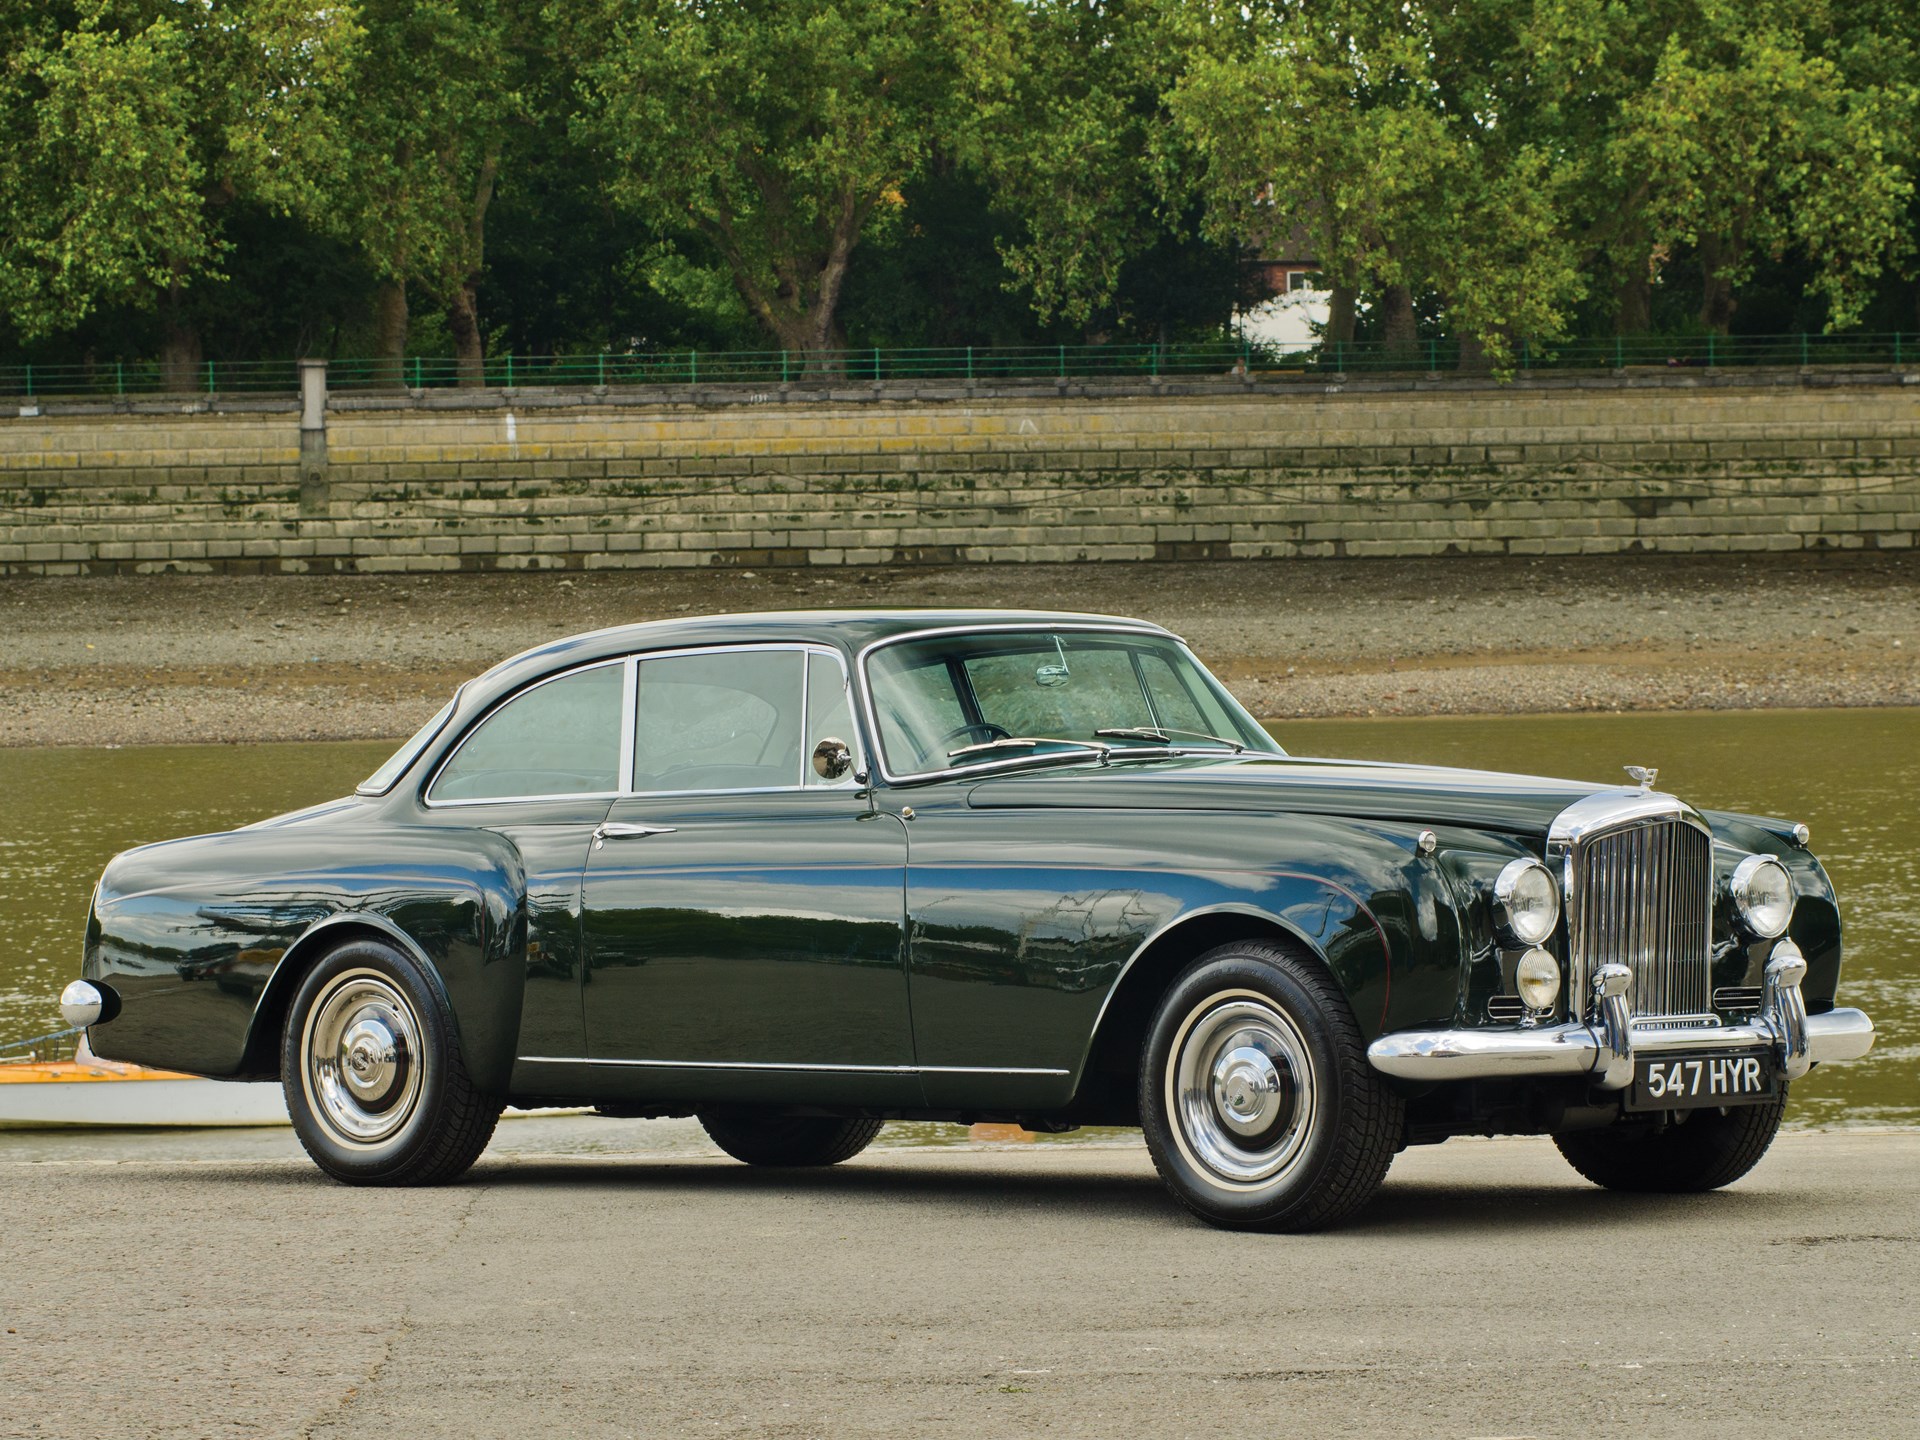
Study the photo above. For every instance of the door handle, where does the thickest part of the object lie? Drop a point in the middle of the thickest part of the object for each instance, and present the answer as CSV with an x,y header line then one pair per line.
x,y
620,830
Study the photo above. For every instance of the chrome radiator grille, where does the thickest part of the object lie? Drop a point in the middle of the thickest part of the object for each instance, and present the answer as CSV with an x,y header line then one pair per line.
x,y
1643,897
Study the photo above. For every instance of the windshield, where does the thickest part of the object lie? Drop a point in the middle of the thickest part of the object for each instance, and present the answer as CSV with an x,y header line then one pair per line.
x,y
1071,692
382,779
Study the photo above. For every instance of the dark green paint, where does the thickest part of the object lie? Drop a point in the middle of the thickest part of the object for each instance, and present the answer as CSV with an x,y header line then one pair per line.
x,y
886,956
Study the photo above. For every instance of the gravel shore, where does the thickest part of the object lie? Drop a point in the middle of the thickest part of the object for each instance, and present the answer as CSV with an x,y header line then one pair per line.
x,y
168,659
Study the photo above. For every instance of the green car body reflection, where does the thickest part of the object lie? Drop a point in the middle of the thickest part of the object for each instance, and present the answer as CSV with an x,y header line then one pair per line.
x,y
801,873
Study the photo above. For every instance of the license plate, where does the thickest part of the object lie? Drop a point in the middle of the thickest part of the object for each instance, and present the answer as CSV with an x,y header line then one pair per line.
x,y
1685,1082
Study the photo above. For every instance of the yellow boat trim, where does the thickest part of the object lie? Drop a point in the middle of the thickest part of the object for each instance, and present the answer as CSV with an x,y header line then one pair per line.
x,y
70,1072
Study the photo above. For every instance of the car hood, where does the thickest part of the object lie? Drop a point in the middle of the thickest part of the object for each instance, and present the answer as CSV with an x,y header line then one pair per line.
x,y
1520,804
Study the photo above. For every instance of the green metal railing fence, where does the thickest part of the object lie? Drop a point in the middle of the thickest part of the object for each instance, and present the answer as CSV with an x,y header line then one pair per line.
x,y
970,362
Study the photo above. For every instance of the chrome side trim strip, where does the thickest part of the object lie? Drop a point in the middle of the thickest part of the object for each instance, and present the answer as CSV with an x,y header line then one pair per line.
x,y
775,1065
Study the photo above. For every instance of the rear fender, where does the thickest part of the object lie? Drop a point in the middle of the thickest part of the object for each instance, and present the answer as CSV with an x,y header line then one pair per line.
x,y
486,1020
205,940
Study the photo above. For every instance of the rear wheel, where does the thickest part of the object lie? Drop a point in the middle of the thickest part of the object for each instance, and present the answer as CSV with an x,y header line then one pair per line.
x,y
1259,1107
374,1079
789,1139
1700,1150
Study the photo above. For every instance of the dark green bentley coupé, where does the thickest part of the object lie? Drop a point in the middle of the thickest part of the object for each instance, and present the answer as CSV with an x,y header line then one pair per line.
x,y
799,874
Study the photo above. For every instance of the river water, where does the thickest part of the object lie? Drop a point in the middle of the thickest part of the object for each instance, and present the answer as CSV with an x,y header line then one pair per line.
x,y
1853,775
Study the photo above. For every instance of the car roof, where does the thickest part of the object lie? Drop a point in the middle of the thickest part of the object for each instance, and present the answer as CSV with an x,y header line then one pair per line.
x,y
849,630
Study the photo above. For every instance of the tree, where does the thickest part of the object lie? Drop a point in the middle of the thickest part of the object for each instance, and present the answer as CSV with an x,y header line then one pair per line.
x,y
1753,141
1388,136
780,132
441,89
133,125
1078,147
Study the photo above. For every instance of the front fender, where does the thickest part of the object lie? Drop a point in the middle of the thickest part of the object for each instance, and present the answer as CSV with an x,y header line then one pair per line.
x,y
204,939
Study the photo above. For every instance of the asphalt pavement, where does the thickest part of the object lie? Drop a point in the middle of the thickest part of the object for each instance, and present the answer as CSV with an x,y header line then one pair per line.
x,y
635,1283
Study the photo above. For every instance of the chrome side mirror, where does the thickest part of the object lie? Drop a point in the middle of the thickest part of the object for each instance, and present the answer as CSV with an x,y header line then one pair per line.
x,y
832,758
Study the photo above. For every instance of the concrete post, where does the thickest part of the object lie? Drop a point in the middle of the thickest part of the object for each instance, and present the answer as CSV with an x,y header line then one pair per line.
x,y
313,437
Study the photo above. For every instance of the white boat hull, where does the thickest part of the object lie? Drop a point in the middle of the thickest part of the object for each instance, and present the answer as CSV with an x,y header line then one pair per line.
x,y
184,1103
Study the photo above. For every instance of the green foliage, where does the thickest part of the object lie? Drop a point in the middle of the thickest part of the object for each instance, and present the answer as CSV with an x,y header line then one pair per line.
x,y
439,86
570,176
1078,147
780,133
133,124
1398,142
1507,156
1752,141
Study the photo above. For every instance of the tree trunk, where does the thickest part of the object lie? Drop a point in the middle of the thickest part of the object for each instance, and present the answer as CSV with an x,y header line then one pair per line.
x,y
463,311
182,364
390,334
1397,324
1340,315
1634,313
180,351
463,318
1717,300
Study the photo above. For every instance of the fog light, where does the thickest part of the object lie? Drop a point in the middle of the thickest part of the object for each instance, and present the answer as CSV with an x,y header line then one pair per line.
x,y
1537,978
1763,894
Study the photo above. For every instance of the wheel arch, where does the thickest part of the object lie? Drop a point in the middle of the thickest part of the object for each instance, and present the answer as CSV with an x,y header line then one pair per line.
x,y
1111,1065
315,943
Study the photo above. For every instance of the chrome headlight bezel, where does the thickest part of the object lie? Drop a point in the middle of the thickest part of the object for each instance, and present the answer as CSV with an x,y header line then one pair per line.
x,y
1524,927
1748,909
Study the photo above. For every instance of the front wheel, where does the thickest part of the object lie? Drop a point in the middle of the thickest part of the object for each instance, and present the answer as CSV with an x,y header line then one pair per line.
x,y
374,1080
1701,1150
1259,1107
789,1140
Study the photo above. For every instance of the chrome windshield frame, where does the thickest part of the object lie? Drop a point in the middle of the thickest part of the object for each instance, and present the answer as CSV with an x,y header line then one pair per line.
x,y
877,742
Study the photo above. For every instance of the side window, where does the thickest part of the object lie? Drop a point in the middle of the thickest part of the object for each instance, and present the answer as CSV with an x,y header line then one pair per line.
x,y
727,721
558,738
829,712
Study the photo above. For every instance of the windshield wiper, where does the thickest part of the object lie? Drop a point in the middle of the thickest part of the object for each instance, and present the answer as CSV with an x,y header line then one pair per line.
x,y
1022,742
1165,733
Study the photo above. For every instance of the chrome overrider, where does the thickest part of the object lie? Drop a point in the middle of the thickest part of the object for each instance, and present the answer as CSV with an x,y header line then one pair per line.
x,y
1604,1050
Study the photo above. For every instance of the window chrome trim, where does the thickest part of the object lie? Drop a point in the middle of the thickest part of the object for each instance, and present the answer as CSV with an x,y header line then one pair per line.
x,y
626,721
1036,625
802,647
425,737
629,717
783,1065
629,720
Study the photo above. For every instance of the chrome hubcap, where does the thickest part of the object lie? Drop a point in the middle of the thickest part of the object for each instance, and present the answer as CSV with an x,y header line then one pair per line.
x,y
361,1058
1247,1090
1240,1089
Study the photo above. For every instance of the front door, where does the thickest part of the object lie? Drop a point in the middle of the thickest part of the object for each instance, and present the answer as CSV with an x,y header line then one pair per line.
x,y
743,913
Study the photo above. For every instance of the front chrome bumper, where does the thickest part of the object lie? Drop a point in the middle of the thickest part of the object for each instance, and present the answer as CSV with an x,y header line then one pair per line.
x,y
1604,1050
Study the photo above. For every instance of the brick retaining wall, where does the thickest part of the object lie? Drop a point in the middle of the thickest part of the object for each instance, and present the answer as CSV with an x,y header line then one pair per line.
x,y
490,480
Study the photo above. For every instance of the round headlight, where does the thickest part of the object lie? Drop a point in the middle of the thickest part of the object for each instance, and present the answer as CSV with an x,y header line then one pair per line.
x,y
1537,978
1526,901
1763,894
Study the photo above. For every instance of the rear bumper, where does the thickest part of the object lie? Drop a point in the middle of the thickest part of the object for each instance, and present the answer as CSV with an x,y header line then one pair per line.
x,y
1605,1049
